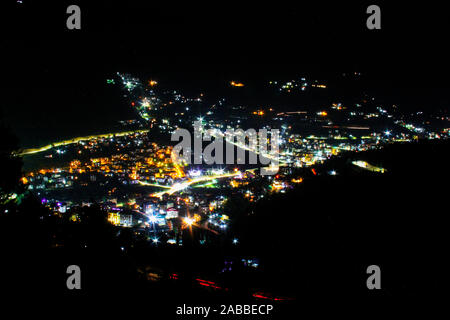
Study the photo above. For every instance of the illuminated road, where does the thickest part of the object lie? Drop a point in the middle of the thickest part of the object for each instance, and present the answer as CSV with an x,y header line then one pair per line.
x,y
178,169
181,186
76,140
245,147
144,183
368,166
291,112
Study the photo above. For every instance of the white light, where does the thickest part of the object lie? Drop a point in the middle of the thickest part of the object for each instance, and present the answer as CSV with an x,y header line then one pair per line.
x,y
387,132
235,241
155,240
195,173
188,221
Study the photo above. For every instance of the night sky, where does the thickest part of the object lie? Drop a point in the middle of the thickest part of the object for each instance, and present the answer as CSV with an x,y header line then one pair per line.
x,y
48,66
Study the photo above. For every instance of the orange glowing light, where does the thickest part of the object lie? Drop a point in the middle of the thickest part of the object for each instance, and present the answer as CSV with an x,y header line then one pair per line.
x,y
299,180
236,84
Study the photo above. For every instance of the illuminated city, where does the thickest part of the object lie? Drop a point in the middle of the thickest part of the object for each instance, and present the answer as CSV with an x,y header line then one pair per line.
x,y
139,176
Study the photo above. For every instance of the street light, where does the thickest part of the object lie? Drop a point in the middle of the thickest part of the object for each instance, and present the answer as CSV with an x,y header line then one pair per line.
x,y
152,219
188,221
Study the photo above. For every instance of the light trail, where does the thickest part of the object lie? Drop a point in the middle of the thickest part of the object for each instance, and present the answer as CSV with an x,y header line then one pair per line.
x,y
144,183
181,186
348,127
76,140
367,166
209,184
291,112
